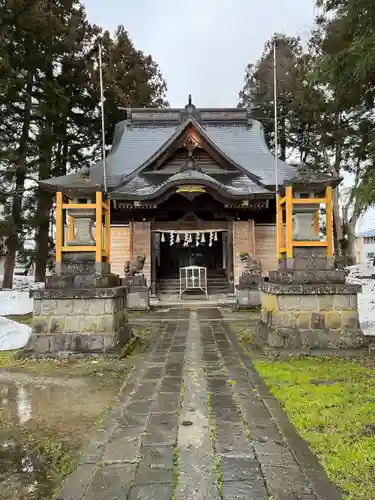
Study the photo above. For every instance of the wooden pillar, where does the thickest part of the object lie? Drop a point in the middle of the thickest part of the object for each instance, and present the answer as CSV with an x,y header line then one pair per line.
x,y
329,221
153,262
230,252
289,222
70,226
99,227
59,227
316,222
279,226
107,225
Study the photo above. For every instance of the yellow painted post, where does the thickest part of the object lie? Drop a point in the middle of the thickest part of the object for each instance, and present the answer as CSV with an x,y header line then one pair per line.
x,y
329,221
279,226
107,224
59,227
70,226
289,222
316,222
99,226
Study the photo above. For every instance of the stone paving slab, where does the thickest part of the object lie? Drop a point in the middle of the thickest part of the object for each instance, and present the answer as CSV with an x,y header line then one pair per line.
x,y
196,422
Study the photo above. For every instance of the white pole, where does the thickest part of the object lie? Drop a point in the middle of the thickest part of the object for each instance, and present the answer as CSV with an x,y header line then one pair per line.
x,y
278,243
102,112
275,111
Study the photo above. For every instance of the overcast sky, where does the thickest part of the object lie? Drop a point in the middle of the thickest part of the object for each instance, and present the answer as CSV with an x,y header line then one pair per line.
x,y
203,46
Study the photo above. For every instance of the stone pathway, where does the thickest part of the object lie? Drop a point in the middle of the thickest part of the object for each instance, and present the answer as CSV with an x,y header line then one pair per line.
x,y
195,422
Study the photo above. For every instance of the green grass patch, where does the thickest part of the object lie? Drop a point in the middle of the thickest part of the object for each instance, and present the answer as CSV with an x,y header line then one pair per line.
x,y
331,402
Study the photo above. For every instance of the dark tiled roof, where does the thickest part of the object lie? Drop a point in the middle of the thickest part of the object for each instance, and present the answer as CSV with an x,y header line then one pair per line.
x,y
247,147
142,187
232,131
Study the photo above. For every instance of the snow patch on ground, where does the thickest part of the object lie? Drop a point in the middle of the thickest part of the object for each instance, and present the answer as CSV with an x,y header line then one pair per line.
x,y
14,303
13,335
17,300
364,274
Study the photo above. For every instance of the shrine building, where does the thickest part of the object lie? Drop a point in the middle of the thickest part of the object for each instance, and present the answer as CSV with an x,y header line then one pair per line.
x,y
187,187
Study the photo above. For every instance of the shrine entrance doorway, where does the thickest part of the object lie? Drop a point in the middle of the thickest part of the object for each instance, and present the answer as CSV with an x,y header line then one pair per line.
x,y
191,232
180,249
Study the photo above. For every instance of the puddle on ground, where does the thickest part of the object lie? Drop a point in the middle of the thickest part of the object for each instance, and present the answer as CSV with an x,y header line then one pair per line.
x,y
57,412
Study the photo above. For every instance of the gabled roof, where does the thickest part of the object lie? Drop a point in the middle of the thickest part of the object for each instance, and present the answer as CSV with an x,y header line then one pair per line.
x,y
141,138
178,133
243,143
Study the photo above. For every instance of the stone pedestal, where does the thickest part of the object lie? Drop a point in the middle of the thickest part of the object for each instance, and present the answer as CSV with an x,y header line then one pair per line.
x,y
248,289
82,310
306,305
138,293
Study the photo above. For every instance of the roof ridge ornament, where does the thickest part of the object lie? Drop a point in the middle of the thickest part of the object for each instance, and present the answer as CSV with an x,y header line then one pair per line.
x,y
190,111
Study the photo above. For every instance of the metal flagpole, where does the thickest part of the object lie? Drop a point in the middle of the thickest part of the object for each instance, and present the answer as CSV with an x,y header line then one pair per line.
x,y
278,243
102,112
275,111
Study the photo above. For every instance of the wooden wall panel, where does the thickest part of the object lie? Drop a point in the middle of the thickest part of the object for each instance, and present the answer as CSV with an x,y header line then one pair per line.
x,y
243,241
141,245
265,247
120,249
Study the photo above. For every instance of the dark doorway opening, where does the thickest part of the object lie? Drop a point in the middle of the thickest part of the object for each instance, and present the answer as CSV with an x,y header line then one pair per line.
x,y
177,255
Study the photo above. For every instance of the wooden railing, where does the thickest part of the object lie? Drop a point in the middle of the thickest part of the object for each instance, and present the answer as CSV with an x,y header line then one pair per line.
x,y
286,246
102,244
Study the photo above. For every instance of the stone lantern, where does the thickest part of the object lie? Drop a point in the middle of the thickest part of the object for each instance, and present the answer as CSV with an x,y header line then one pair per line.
x,y
83,308
299,254
307,184
306,305
82,190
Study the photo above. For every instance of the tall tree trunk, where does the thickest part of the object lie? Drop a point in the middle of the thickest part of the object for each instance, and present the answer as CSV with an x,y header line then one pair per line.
x,y
44,198
12,240
351,239
44,211
337,219
337,224
351,223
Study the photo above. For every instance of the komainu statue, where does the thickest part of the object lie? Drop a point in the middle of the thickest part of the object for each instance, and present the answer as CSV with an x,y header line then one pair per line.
x,y
252,270
249,263
135,267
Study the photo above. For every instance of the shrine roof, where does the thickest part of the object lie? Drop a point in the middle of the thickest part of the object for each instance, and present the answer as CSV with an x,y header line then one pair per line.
x,y
142,187
146,132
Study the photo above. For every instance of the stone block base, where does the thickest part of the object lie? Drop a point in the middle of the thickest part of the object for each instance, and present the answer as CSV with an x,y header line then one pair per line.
x,y
311,317
63,344
295,342
247,298
79,321
138,298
